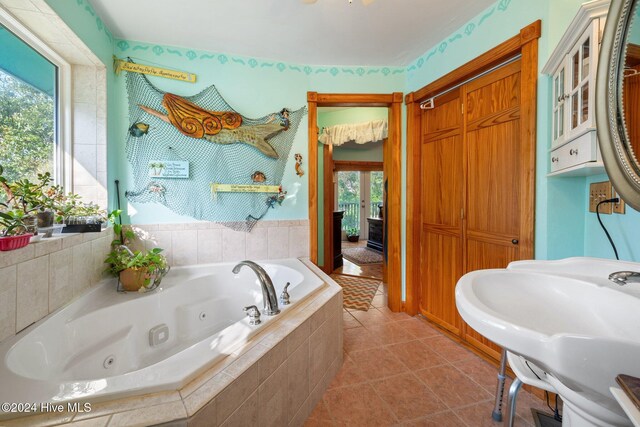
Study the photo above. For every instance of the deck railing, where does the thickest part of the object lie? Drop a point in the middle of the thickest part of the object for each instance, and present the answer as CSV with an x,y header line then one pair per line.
x,y
351,217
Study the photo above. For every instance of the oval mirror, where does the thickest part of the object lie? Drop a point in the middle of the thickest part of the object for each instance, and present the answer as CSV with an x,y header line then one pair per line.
x,y
618,99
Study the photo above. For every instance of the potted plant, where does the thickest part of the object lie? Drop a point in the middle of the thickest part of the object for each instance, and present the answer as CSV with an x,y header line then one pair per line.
x,y
30,197
353,234
13,232
137,270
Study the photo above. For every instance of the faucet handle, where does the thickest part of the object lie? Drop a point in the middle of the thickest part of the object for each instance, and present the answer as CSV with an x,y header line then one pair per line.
x,y
284,296
254,315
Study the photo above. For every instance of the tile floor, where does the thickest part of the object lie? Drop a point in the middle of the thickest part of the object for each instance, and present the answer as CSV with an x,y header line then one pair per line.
x,y
402,371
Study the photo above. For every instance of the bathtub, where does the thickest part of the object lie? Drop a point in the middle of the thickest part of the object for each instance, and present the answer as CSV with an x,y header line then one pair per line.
x,y
100,346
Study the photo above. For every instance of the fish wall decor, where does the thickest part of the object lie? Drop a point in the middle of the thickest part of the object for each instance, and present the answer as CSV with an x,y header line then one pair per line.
x,y
220,127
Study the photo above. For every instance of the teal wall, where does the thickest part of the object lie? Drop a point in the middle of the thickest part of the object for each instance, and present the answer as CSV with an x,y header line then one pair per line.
x,y
624,230
254,87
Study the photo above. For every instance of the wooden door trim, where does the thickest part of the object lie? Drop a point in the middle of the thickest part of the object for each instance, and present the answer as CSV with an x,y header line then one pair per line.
x,y
393,145
354,165
524,43
329,200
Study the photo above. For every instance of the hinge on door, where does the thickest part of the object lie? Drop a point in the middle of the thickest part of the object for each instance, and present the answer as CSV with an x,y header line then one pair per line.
x,y
462,109
462,213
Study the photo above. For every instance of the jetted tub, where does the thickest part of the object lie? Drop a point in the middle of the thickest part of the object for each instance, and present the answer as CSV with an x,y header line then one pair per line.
x,y
100,346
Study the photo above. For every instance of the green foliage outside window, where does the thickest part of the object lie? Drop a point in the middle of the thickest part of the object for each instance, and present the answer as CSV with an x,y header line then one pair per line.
x,y
26,129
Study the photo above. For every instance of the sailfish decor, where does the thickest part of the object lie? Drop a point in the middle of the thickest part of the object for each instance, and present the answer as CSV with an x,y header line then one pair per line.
x,y
220,127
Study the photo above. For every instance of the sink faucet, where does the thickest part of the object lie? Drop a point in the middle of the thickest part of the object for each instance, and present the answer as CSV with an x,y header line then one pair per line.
x,y
624,277
268,291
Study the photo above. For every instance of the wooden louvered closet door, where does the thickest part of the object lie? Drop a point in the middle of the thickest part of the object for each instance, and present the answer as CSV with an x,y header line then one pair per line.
x,y
472,184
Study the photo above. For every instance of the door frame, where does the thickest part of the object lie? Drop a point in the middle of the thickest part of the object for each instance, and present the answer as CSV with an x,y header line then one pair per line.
x,y
392,168
524,43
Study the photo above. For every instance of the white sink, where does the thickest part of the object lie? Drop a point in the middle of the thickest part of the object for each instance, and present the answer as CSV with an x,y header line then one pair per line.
x,y
568,319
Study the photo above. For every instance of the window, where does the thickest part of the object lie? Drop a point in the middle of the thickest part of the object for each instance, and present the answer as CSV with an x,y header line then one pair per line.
x,y
28,110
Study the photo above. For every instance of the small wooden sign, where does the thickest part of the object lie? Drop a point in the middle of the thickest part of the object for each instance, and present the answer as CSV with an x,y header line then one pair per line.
x,y
168,169
183,76
244,188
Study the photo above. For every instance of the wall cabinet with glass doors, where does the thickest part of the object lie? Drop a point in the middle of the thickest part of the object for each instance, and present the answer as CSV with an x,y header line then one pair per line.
x,y
573,65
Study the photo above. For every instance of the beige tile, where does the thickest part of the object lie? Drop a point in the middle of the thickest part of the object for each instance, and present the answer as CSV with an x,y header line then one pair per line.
x,y
245,361
99,250
270,362
40,420
33,292
60,278
19,4
320,356
46,246
209,246
206,416
82,260
129,404
91,422
71,240
233,245
208,391
8,301
84,125
246,415
298,382
184,244
298,337
298,241
149,415
273,396
236,393
278,242
84,83
40,24
161,239
257,244
8,258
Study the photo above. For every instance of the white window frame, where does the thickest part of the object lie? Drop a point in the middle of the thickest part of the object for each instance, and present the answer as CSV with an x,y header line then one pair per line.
x,y
63,155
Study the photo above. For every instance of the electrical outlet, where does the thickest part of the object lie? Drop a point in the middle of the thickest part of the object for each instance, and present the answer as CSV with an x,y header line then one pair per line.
x,y
618,208
599,191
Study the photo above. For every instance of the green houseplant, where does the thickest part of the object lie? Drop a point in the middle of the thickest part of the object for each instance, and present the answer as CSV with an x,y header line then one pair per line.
x,y
353,234
137,270
13,232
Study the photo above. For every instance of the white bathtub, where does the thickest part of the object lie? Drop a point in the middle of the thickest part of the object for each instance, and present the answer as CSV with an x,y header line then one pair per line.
x,y
98,347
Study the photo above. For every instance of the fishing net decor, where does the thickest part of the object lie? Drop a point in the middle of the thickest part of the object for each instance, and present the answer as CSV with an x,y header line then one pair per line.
x,y
235,155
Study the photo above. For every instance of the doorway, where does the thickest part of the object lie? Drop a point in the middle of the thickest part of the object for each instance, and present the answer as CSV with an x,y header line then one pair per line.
x,y
359,195
391,179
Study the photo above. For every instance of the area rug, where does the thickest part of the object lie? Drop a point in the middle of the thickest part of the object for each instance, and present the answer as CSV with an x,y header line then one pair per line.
x,y
362,256
357,293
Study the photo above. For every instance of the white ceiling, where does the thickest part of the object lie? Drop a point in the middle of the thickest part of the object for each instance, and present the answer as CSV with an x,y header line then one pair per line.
x,y
329,32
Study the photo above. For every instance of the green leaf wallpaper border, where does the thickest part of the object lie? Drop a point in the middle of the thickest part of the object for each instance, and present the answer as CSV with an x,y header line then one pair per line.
x,y
101,26
124,47
463,32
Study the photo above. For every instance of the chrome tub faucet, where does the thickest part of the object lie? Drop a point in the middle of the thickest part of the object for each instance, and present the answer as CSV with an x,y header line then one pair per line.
x,y
268,291
624,277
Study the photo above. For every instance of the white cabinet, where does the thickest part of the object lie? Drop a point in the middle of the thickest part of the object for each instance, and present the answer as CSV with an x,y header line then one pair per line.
x,y
573,66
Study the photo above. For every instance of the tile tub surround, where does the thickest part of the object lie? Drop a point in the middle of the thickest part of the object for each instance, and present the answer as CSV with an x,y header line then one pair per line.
x,y
277,377
209,242
43,276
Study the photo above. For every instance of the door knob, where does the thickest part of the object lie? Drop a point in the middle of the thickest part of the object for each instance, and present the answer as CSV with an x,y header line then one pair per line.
x,y
514,241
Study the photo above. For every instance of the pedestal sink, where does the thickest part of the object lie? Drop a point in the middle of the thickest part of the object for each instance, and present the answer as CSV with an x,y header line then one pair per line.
x,y
568,319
